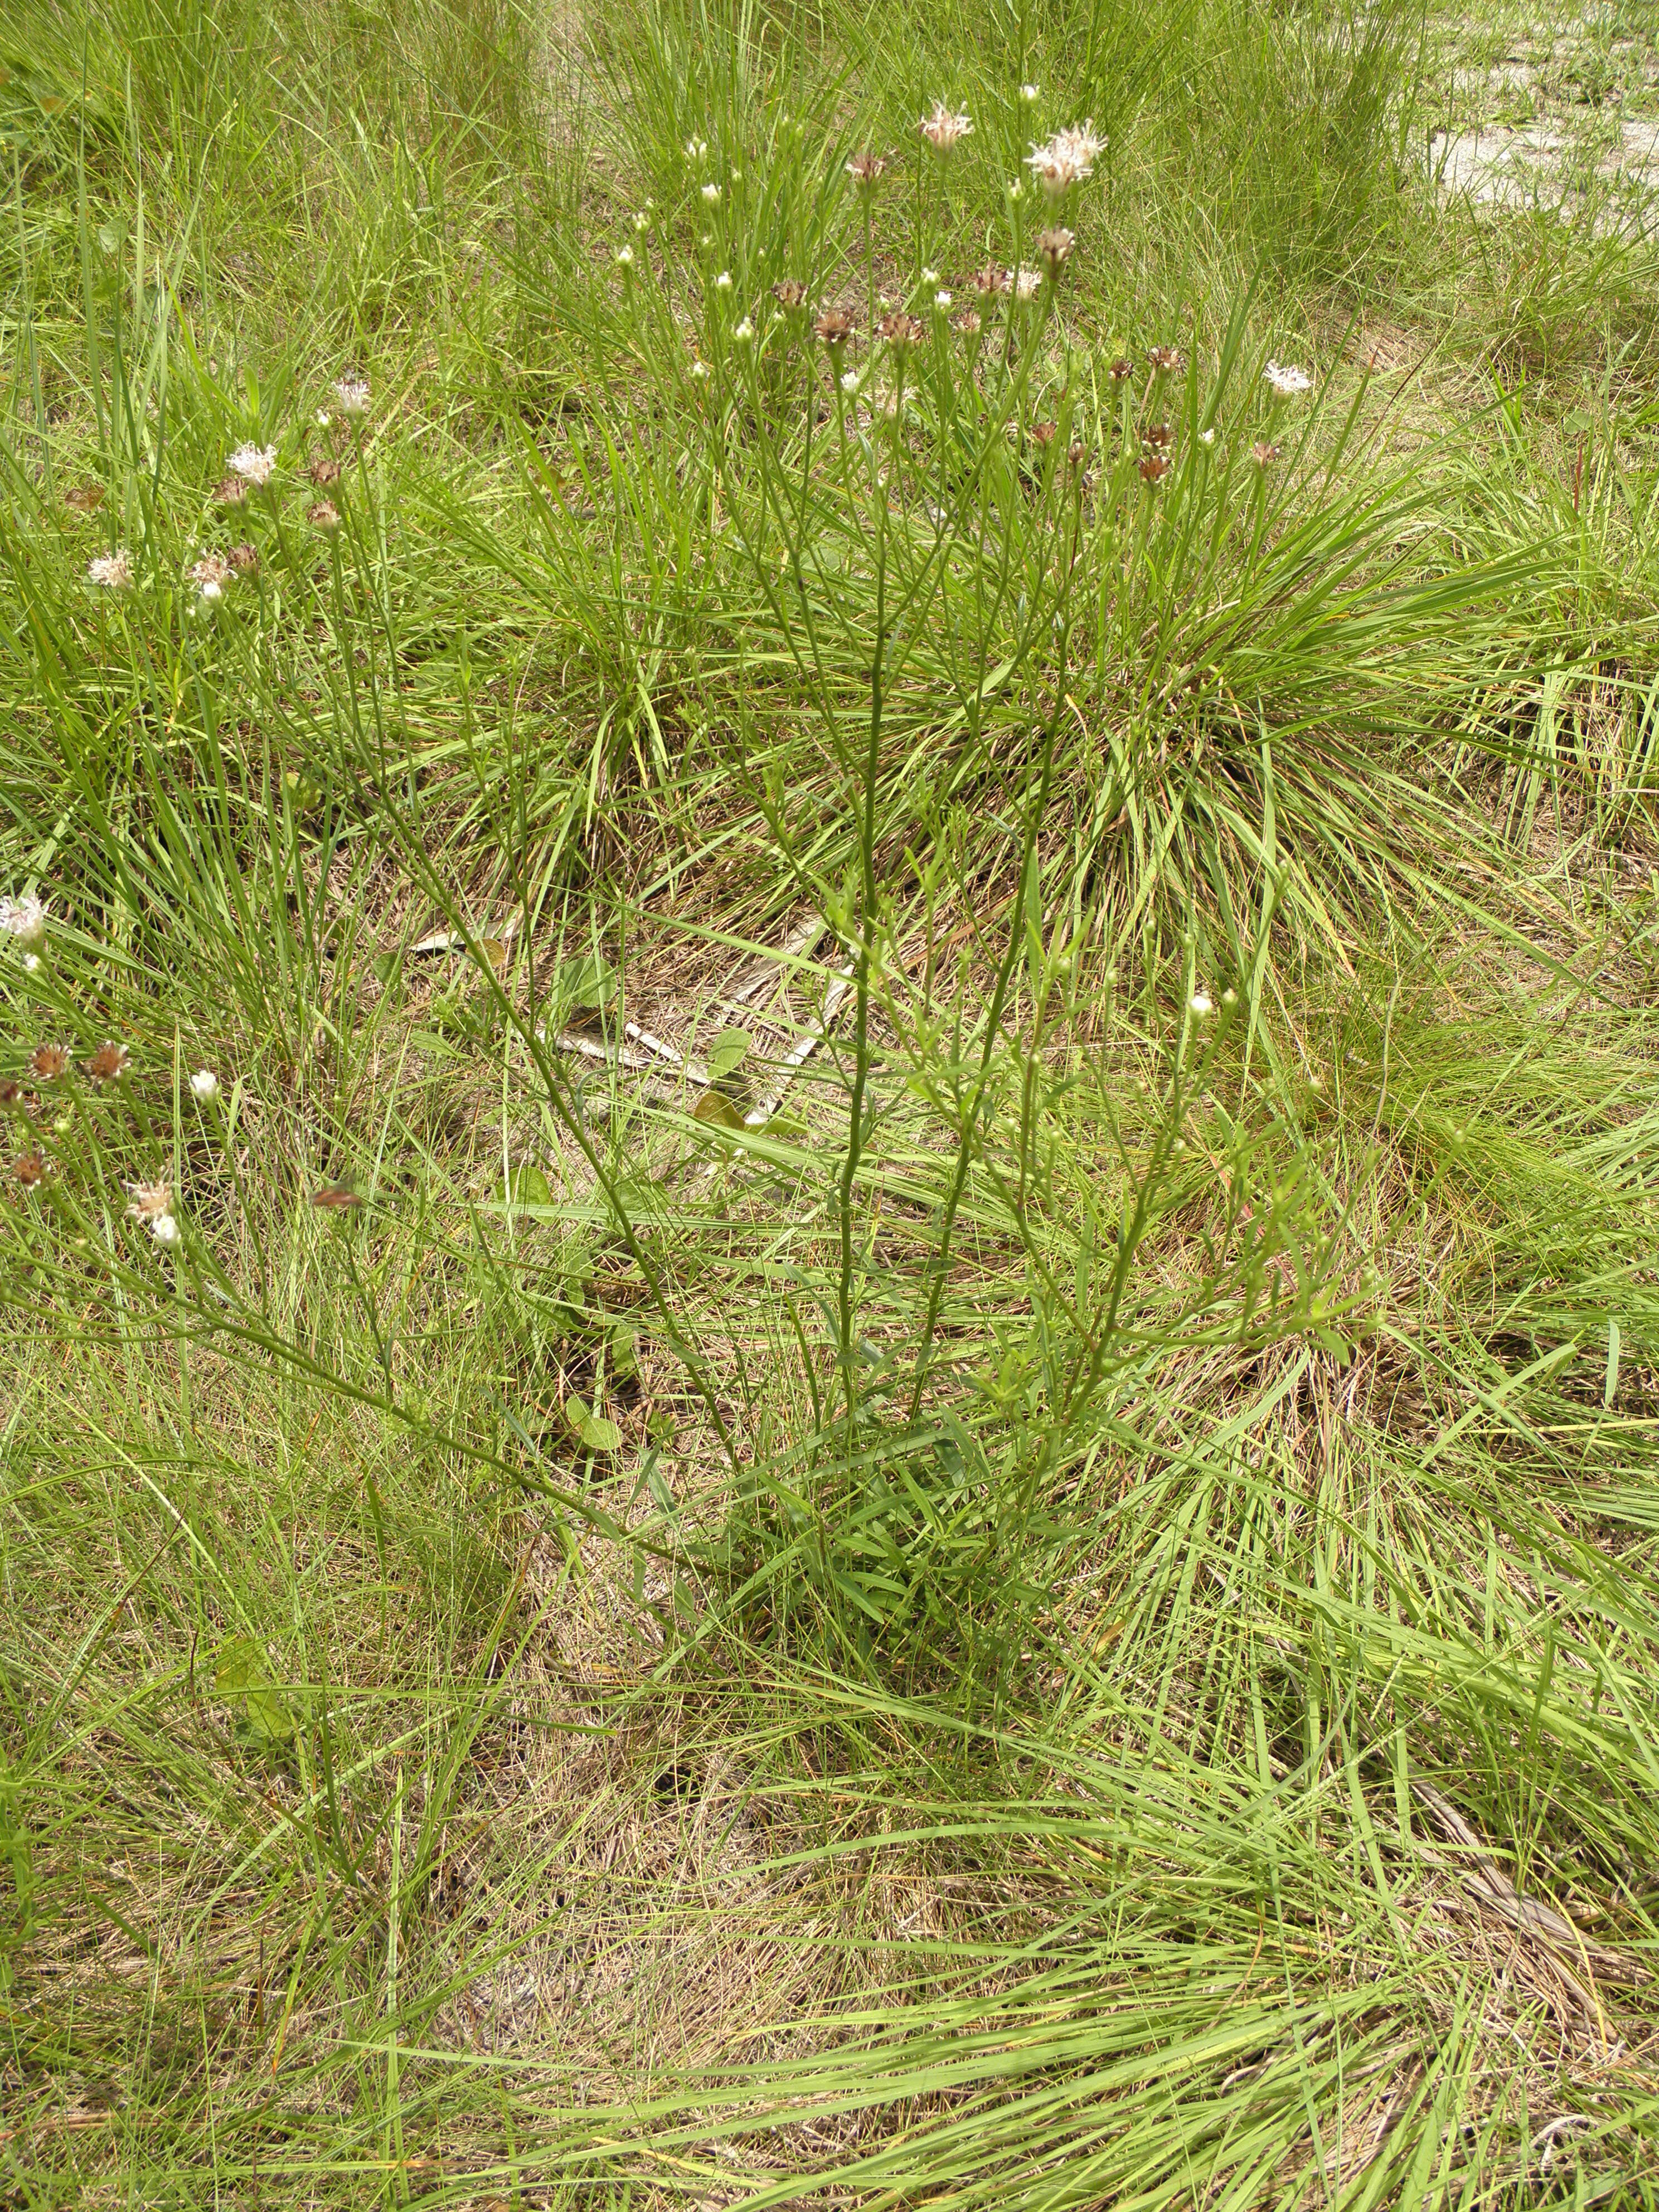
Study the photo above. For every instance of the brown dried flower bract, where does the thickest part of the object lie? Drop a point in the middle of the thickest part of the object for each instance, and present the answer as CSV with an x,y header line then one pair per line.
x,y
31,1169
232,492
990,281
902,330
835,326
1044,434
1121,370
866,169
48,1061
323,514
1053,249
11,1091
109,1061
1263,454
789,295
85,499
337,1198
324,471
244,559
1166,359
1158,435
1154,467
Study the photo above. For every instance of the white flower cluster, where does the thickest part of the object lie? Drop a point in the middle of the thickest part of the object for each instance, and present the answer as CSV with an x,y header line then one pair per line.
x,y
25,918
210,575
1287,380
1068,158
942,130
255,465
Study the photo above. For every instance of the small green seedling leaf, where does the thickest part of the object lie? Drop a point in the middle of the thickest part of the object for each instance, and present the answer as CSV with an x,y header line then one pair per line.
x,y
594,1431
657,1483
729,1050
533,1186
624,1350
715,1107
242,1678
587,984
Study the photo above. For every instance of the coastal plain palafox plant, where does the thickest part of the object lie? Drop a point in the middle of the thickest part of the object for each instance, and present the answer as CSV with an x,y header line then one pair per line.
x,y
828,1120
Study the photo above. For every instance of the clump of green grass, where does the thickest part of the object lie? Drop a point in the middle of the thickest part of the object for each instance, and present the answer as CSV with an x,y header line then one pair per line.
x,y
827,1107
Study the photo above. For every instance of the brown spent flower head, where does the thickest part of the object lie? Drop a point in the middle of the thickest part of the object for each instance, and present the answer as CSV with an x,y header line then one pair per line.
x,y
1121,370
1077,453
146,1201
1263,454
1042,434
1165,359
1153,467
336,1197
11,1091
1053,249
1158,435
244,559
323,514
866,169
789,295
109,1061
325,472
47,1062
835,326
232,492
942,129
85,499
968,323
989,281
31,1169
902,330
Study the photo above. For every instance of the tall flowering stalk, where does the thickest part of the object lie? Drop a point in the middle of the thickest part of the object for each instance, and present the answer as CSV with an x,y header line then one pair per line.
x,y
944,130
